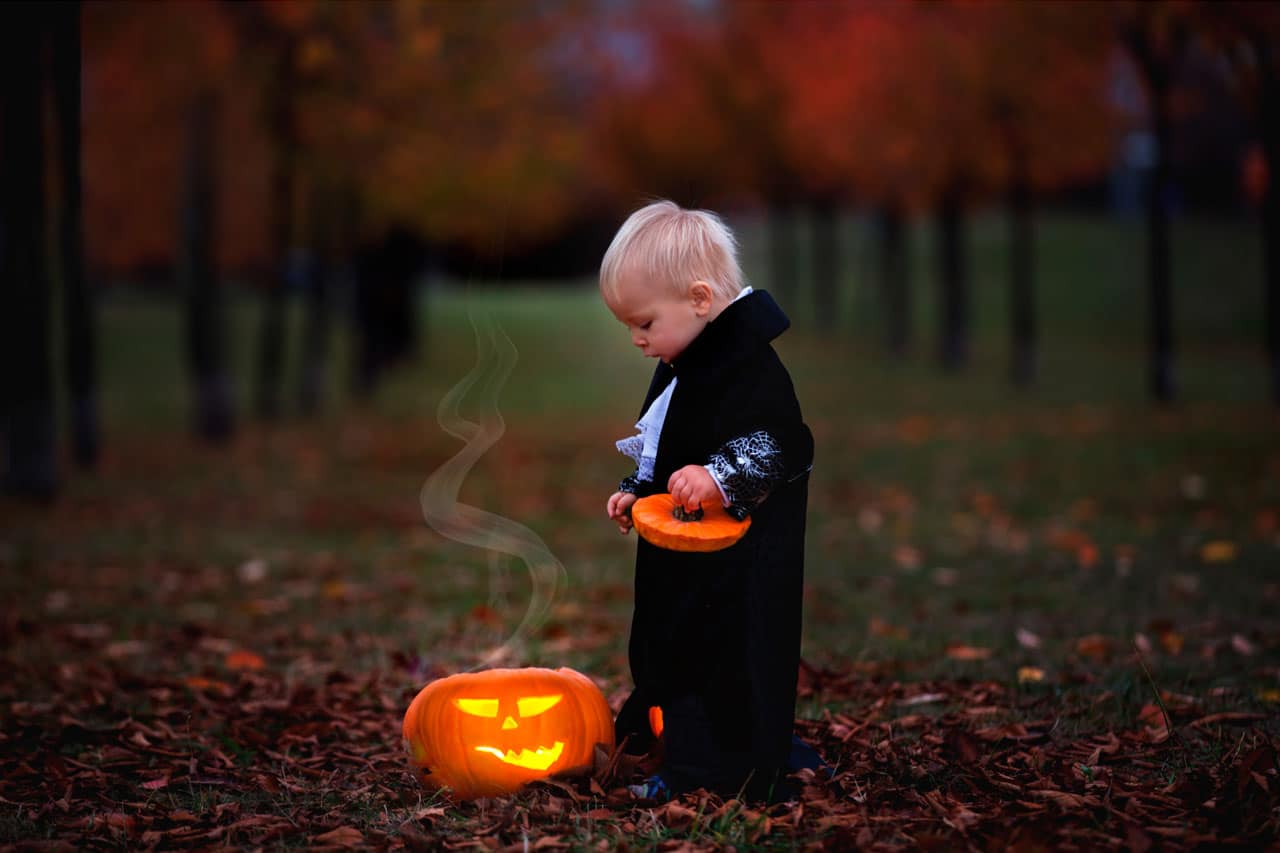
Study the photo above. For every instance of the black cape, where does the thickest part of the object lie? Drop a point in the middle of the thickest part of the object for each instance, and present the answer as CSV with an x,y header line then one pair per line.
x,y
715,638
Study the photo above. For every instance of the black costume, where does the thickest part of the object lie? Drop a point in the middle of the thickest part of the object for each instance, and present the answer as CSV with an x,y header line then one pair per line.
x,y
715,638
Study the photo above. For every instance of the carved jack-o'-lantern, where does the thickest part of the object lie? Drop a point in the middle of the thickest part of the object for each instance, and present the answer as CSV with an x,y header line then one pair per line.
x,y
487,733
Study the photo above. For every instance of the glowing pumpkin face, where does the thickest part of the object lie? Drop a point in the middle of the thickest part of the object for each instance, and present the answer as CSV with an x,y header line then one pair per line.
x,y
487,733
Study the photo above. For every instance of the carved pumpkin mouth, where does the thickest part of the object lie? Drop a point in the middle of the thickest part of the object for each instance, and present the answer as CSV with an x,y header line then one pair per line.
x,y
539,759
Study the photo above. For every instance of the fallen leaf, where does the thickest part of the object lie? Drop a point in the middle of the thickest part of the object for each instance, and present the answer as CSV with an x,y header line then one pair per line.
x,y
1228,717
964,745
960,651
90,632
1094,646
676,816
124,648
242,659
907,557
1266,523
1151,715
1087,555
1030,675
336,590
1155,723
252,571
1251,767
1171,641
343,836
1218,552
878,627
485,615
1068,800
199,682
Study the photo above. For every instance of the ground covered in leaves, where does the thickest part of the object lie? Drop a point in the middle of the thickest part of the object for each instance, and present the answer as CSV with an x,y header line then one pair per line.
x,y
1030,623
159,692
296,749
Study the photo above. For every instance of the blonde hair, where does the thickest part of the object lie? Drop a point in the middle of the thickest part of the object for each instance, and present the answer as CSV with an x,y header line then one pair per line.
x,y
664,243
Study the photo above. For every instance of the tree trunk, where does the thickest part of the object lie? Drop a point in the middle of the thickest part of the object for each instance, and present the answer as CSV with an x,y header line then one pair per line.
x,y
783,250
27,389
1022,310
1269,112
1160,294
77,297
826,262
1157,58
953,281
895,281
319,279
283,137
212,417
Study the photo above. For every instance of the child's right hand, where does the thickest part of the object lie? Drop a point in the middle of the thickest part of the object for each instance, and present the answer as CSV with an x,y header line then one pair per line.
x,y
619,510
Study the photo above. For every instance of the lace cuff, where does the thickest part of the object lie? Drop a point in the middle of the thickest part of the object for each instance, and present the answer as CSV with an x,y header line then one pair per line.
x,y
746,469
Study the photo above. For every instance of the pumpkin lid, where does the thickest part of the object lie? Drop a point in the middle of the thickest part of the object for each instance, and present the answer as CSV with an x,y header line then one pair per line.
x,y
665,523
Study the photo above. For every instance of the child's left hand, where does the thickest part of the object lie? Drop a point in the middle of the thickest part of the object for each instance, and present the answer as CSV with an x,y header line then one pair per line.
x,y
691,485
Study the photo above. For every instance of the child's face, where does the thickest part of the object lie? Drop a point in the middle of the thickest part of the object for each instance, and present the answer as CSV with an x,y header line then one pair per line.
x,y
662,321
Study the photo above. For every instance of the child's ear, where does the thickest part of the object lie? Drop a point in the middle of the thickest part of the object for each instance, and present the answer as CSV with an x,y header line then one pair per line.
x,y
700,296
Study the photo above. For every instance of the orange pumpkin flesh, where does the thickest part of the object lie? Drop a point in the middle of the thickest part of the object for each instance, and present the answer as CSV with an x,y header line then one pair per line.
x,y
658,519
483,734
655,720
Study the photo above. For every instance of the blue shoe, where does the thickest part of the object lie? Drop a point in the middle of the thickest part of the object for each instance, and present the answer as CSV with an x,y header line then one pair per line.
x,y
653,788
804,756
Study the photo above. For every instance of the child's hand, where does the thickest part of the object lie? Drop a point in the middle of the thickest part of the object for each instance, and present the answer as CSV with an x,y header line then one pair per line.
x,y
691,485
619,510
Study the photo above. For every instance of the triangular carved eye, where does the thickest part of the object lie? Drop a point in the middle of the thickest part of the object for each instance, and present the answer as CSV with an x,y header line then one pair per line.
x,y
478,707
532,706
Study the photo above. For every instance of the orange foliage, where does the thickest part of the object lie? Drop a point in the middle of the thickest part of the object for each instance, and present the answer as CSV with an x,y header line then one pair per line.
x,y
494,124
883,101
451,117
894,101
144,64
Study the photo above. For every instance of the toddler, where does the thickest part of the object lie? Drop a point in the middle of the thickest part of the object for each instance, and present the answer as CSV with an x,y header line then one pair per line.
x,y
715,637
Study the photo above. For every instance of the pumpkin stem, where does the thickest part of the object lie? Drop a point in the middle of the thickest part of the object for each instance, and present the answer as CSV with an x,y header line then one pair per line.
x,y
682,514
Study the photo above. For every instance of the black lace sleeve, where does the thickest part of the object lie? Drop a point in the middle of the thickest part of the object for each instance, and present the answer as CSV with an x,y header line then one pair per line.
x,y
630,483
747,468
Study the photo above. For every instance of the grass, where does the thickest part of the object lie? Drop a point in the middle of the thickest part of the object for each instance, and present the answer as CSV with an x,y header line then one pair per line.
x,y
945,510
933,496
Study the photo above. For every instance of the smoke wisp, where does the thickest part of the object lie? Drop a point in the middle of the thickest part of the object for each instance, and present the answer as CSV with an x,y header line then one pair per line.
x,y
473,526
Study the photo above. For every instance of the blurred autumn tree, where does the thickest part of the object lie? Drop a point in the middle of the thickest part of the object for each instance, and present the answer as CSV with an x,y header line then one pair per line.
x,y
488,128
907,107
28,404
1246,37
41,68
1156,35
900,107
174,170
453,119
689,111
79,323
